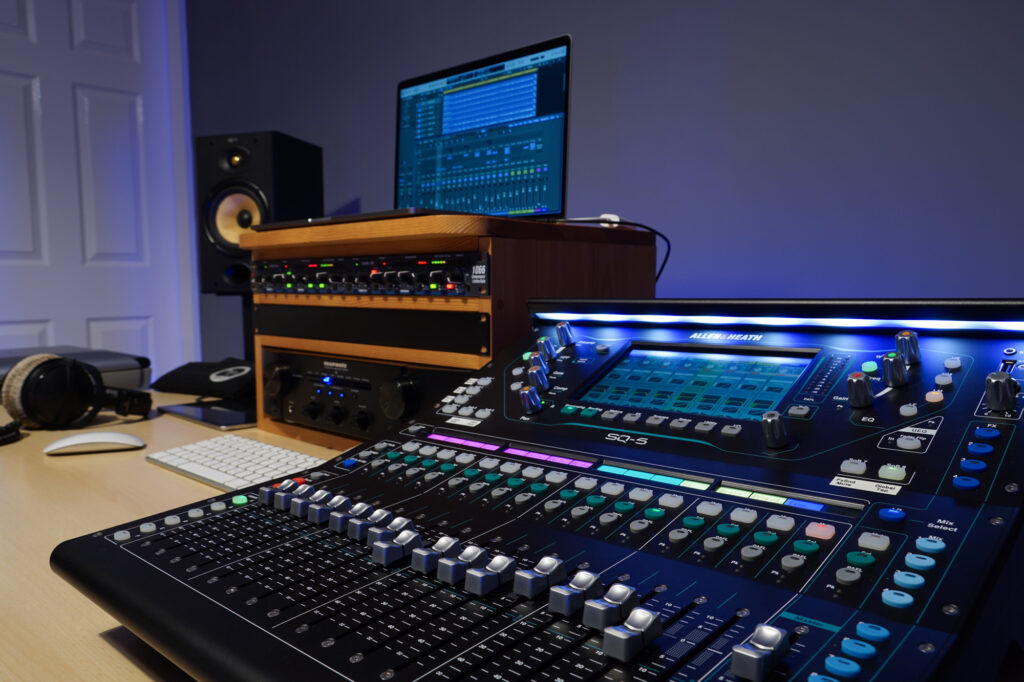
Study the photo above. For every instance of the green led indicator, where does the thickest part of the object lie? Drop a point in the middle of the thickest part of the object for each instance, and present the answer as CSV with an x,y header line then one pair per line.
x,y
433,286
322,285
239,500
869,366
287,286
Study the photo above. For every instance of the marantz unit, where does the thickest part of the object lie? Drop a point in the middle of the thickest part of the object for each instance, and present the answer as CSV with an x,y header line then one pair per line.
x,y
359,324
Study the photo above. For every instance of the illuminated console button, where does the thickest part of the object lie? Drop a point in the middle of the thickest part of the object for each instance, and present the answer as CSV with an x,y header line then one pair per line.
x,y
641,495
986,433
897,599
908,410
892,514
705,426
908,443
709,508
654,513
532,473
934,397
780,523
965,482
743,515
980,449
875,542
872,632
678,424
731,429
556,477
855,648
892,472
820,531
972,466
841,666
930,545
908,580
853,467
589,412
919,562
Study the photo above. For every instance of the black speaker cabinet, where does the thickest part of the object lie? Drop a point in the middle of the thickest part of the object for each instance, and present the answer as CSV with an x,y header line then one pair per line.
x,y
244,180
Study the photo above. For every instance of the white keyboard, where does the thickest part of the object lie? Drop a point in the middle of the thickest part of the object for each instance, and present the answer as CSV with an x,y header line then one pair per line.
x,y
233,462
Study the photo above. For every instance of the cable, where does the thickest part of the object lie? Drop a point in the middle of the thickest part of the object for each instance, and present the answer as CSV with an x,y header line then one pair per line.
x,y
610,220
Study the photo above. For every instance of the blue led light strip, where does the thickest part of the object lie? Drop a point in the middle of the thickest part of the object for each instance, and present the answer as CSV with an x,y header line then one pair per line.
x,y
835,322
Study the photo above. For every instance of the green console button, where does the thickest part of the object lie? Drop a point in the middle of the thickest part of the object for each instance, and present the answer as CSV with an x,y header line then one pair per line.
x,y
394,454
806,547
596,500
428,463
728,530
860,559
492,477
589,412
654,513
447,467
409,459
239,500
765,537
471,473
624,507
569,494
869,366
693,522
569,409
515,483
538,487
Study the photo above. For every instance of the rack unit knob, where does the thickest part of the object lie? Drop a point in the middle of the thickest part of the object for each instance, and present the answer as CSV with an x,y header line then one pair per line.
x,y
894,370
908,346
1001,392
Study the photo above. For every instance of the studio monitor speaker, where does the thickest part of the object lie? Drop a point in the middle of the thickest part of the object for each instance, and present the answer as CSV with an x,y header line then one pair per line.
x,y
245,180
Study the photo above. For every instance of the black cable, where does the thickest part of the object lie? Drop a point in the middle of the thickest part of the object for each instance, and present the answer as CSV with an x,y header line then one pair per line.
x,y
614,220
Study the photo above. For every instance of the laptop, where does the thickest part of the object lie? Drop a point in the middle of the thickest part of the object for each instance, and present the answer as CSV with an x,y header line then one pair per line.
x,y
485,138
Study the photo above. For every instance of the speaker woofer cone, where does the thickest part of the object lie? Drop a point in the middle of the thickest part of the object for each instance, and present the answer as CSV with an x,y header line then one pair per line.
x,y
232,212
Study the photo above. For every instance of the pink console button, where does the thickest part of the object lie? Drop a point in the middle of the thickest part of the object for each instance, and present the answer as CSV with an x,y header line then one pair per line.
x,y
821,531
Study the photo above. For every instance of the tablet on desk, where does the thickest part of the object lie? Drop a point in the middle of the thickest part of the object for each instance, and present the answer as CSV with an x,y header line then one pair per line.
x,y
220,414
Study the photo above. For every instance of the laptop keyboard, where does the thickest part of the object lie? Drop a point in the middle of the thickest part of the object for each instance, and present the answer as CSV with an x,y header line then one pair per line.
x,y
233,462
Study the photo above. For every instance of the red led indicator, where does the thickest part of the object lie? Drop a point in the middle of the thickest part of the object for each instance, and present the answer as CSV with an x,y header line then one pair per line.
x,y
421,262
312,265
374,271
449,286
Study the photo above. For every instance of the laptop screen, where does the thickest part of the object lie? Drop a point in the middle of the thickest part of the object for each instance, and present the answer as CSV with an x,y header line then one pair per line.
x,y
487,137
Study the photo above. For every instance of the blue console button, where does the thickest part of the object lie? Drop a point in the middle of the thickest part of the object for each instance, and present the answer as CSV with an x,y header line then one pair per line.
x,y
930,545
897,599
815,677
908,580
972,466
965,482
980,449
349,463
919,562
872,632
892,514
986,433
854,648
842,667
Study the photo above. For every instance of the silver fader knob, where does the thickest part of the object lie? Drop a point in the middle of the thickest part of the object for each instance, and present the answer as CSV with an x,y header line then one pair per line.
x,y
537,360
894,370
388,532
566,334
538,379
858,388
387,552
498,571
532,583
908,346
358,529
1001,392
568,599
453,571
425,560
338,520
530,400
610,609
757,657
547,348
623,642
774,429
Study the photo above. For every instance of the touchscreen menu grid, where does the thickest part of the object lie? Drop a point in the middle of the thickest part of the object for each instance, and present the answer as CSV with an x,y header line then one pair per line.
x,y
713,384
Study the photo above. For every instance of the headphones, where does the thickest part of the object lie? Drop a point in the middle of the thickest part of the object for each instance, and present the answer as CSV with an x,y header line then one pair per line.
x,y
47,391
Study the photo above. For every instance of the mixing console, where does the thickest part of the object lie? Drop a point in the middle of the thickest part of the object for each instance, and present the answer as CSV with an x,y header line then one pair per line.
x,y
663,490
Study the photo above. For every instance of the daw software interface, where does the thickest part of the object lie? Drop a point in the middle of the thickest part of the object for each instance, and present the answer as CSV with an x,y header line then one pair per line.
x,y
487,137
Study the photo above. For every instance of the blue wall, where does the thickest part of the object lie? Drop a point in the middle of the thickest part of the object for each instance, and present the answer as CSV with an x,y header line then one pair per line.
x,y
791,148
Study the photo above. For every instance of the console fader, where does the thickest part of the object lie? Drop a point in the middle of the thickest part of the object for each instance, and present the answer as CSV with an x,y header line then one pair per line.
x,y
680,490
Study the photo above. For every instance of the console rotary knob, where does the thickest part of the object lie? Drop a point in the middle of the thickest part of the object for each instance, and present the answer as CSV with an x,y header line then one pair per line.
x,y
337,414
894,370
547,349
1001,392
530,400
537,360
908,346
774,429
399,399
566,334
538,379
313,409
858,387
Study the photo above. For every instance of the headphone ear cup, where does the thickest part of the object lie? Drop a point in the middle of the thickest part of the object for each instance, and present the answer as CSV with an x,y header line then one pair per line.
x,y
14,382
52,392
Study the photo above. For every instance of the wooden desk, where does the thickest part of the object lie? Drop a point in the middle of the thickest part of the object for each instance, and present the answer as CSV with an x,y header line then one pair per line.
x,y
49,629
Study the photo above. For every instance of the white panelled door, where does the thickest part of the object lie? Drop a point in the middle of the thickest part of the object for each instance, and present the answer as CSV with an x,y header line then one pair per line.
x,y
95,199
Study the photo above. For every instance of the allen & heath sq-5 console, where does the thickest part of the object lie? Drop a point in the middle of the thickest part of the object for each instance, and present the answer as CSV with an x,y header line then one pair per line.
x,y
660,490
